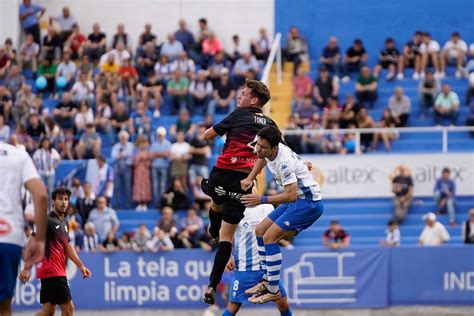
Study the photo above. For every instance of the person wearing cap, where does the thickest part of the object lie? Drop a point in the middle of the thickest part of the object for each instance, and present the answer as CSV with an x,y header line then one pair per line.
x,y
468,228
160,148
434,233
336,237
354,59
444,193
454,53
122,155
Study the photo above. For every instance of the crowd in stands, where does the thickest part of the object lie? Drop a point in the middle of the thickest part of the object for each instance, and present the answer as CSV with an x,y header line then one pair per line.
x,y
317,103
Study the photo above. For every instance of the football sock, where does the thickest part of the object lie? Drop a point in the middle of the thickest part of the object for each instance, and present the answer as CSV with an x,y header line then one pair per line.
x,y
224,250
262,254
273,260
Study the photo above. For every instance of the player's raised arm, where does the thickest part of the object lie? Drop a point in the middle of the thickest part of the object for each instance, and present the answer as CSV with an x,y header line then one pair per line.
x,y
247,182
210,134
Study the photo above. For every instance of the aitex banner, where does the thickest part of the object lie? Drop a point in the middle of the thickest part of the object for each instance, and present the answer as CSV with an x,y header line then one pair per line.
x,y
371,175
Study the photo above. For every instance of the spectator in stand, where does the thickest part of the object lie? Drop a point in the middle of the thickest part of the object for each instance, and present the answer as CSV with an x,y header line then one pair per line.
x,y
146,37
120,37
223,95
366,87
85,67
331,113
335,237
25,100
311,140
167,222
364,120
46,160
47,69
293,141
200,151
183,239
177,88
302,87
428,89
89,145
65,111
184,36
110,64
469,92
140,239
412,56
389,57
129,78
306,112
104,218
146,60
183,124
120,54
237,49
94,47
245,67
141,173
52,45
402,188
125,241
5,62
160,149
140,119
4,130
66,143
91,239
194,225
5,103
468,228
354,60
261,47
110,244
204,30
36,128
400,107
172,48
122,155
331,57
176,196
200,198
180,153
392,235
86,203
470,118
200,90
30,14
160,241
216,67
387,122
14,81
28,54
211,46
83,117
83,89
66,23
446,106
186,64
445,194
332,142
430,53
296,49
454,53
434,233
349,112
325,87
120,117
103,184
470,63
75,43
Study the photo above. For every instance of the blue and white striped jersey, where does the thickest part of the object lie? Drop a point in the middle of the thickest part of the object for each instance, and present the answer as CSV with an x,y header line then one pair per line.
x,y
246,249
288,168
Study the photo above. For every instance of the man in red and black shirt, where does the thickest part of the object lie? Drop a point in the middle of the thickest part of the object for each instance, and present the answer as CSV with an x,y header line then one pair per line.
x,y
233,165
52,269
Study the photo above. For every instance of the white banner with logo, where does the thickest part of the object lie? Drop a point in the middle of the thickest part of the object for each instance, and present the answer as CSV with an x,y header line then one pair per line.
x,y
371,175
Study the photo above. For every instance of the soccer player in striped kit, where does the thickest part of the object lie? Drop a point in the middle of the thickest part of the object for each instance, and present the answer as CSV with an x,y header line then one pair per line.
x,y
246,264
299,207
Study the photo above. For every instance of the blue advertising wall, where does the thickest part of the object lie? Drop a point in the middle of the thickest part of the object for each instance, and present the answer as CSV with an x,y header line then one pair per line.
x,y
373,21
314,278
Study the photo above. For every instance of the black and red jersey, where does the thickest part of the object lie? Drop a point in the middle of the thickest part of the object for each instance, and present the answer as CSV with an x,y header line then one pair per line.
x,y
55,255
241,127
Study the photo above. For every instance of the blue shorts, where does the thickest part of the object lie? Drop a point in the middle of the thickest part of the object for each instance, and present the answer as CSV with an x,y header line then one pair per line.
x,y
10,256
297,215
244,280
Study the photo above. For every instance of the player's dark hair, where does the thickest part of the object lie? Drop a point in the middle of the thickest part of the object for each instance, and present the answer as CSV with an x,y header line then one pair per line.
x,y
271,134
446,170
392,222
60,192
259,90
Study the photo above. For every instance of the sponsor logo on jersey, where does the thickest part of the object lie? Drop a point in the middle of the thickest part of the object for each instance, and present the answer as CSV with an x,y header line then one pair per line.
x,y
5,227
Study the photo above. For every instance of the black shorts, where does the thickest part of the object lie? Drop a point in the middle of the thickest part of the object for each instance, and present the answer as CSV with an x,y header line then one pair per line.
x,y
55,291
224,188
386,64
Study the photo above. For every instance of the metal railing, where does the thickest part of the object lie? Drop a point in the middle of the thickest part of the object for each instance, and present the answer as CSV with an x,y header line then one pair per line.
x,y
275,52
444,130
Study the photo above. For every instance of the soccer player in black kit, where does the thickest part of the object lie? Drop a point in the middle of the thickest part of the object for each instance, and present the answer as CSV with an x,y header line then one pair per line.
x,y
233,165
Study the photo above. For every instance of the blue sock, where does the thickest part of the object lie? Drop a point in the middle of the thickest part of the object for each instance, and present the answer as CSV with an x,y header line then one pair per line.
x,y
286,313
227,313
273,260
262,254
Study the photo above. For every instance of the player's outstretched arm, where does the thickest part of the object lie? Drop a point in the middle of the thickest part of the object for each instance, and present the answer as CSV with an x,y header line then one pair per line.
x,y
257,168
72,254
210,134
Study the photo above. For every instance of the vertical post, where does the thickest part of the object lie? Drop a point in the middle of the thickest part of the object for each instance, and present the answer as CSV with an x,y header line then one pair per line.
x,y
445,140
278,62
357,149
